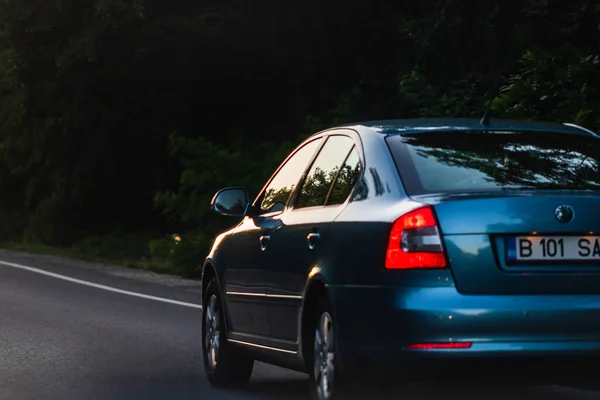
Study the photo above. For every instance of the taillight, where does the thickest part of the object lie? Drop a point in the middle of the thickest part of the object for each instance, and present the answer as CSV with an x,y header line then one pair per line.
x,y
415,242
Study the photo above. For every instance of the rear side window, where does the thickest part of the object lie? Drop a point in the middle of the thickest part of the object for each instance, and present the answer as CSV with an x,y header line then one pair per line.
x,y
346,179
480,161
324,171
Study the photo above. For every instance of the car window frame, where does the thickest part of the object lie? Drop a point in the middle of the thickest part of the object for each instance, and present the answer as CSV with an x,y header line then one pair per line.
x,y
352,149
357,145
259,198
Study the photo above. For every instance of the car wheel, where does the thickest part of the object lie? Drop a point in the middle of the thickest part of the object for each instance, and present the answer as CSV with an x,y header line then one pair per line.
x,y
325,383
225,365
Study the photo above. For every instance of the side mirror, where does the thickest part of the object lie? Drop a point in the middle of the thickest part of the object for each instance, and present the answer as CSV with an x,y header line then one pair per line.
x,y
231,202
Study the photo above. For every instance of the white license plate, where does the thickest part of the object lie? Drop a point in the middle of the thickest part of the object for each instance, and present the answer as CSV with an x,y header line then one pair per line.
x,y
548,248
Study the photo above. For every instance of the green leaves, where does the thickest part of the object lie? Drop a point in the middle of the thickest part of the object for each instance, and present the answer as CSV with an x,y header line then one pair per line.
x,y
500,103
209,166
90,90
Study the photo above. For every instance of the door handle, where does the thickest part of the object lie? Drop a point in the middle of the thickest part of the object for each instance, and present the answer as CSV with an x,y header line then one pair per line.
x,y
264,241
312,239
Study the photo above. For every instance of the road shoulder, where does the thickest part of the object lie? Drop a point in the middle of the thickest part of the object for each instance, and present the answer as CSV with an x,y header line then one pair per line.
x,y
118,277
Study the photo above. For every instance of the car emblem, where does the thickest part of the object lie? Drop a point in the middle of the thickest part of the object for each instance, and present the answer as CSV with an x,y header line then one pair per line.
x,y
564,213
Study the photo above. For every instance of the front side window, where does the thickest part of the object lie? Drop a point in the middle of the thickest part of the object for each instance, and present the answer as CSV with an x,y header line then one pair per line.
x,y
282,185
324,171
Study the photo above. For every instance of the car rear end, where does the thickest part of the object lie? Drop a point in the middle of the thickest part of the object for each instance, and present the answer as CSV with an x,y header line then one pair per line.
x,y
495,254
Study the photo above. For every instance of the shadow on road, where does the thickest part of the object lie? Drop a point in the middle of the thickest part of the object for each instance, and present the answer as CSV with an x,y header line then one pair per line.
x,y
296,388
270,383
283,388
293,389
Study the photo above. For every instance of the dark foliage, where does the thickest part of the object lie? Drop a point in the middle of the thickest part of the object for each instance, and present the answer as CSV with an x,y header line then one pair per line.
x,y
128,115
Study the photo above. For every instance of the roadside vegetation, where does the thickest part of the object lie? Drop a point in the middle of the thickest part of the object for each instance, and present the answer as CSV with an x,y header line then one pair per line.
x,y
120,119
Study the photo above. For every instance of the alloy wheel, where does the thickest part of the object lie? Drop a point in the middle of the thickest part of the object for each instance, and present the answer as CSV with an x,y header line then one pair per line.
x,y
324,357
212,332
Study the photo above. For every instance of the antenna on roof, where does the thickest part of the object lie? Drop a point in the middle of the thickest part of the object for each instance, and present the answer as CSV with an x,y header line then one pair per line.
x,y
486,116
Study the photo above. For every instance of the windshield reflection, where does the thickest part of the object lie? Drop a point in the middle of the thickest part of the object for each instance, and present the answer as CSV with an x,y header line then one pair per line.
x,y
491,161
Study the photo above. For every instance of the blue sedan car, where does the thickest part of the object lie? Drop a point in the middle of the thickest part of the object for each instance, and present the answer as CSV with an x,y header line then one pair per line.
x,y
392,242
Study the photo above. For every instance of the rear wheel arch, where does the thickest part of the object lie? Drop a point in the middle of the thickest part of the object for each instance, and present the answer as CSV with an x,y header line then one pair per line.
x,y
315,291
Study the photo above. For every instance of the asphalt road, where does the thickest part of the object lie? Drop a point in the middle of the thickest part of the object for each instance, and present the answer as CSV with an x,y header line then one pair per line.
x,y
61,339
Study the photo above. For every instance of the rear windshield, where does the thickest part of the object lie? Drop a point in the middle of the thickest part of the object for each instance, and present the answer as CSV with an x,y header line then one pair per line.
x,y
481,161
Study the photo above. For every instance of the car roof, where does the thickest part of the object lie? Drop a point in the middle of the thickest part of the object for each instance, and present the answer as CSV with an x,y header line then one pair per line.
x,y
405,126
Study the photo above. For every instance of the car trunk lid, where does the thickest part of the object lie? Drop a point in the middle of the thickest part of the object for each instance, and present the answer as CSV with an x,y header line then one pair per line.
x,y
516,243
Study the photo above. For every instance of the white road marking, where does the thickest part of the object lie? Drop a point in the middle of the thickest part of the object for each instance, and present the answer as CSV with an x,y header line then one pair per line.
x,y
97,286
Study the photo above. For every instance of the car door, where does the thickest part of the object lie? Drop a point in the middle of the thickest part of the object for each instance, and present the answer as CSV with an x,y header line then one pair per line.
x,y
302,229
245,277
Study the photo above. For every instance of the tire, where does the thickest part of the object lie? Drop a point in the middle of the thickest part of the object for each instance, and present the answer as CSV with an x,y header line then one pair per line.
x,y
325,379
225,365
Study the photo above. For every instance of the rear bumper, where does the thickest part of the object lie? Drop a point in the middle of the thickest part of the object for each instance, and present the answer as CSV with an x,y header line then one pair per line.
x,y
377,323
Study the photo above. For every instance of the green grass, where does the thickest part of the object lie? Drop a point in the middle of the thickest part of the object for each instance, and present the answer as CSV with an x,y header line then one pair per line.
x,y
150,251
87,254
41,249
